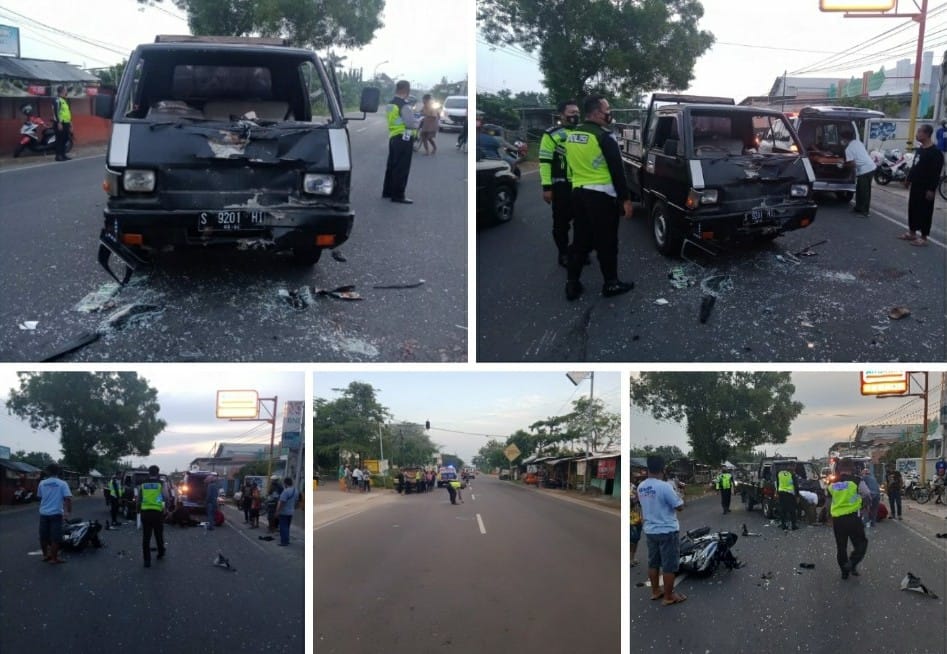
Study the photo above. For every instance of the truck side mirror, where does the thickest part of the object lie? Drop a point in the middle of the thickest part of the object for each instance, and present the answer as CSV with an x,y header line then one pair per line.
x,y
670,147
103,105
370,100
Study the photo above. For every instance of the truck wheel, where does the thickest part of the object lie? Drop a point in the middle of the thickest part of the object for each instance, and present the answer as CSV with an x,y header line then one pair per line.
x,y
845,196
666,238
307,255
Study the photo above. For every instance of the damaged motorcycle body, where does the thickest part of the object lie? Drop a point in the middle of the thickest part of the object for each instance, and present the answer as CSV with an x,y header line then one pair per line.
x,y
701,551
215,143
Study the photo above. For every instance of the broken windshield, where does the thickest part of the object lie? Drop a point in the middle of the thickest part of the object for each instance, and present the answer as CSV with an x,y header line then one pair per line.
x,y
719,134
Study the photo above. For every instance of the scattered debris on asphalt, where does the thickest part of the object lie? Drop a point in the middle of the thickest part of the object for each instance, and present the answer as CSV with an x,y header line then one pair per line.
x,y
661,301
338,256
28,325
416,284
896,313
788,257
807,250
130,314
222,561
100,299
807,566
80,341
305,296
912,582
716,285
749,533
767,575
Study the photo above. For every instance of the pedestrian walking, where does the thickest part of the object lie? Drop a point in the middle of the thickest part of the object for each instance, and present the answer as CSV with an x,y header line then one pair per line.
x,y
429,124
115,498
55,504
894,484
787,488
255,503
845,500
659,507
636,523
245,500
874,499
401,127
922,182
152,505
553,175
599,194
725,486
212,493
285,509
857,158
62,122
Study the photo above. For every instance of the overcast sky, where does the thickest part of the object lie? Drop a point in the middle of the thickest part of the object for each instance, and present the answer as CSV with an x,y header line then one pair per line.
x,y
746,57
484,405
833,407
187,395
422,40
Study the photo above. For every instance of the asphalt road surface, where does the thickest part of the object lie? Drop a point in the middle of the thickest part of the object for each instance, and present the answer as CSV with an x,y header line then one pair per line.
x,y
106,601
508,568
222,305
796,609
783,301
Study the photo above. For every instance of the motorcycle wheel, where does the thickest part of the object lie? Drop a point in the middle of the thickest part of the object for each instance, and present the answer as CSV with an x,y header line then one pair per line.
x,y
18,150
882,176
922,495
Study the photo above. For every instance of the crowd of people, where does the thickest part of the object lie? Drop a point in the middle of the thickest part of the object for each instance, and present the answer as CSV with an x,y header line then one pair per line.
x,y
354,478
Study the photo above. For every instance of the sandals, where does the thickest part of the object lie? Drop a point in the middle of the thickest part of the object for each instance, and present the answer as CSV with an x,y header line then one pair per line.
x,y
657,597
907,236
676,598
919,242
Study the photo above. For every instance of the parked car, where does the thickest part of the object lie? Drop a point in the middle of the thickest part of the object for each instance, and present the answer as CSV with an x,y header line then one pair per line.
x,y
454,113
192,493
497,188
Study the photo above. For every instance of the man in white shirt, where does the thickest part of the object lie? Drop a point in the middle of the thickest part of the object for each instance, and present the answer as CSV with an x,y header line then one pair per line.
x,y
55,503
357,477
857,157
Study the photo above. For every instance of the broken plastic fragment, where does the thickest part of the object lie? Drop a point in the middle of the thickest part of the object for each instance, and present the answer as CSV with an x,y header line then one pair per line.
x,y
28,325
420,282
912,582
338,256
899,312
661,301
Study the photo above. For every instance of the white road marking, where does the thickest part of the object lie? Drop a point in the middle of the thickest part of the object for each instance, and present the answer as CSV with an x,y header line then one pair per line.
x,y
473,497
483,530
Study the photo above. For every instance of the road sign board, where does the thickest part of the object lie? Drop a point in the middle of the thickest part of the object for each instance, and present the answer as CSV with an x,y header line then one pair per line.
x,y
511,452
856,5
884,383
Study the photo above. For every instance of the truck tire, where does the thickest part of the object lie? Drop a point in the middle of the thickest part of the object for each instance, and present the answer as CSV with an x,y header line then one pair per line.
x,y
845,196
769,509
666,238
307,255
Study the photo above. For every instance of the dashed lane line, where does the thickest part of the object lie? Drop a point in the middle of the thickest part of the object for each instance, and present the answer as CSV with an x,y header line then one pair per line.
x,y
483,530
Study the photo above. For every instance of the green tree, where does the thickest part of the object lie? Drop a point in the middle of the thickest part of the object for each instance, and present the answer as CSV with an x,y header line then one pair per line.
x,y
667,452
37,459
722,410
410,445
350,424
614,47
491,456
305,23
590,421
101,416
499,109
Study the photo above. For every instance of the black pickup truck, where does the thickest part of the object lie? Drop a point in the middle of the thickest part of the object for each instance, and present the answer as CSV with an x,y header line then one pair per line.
x,y
759,487
704,172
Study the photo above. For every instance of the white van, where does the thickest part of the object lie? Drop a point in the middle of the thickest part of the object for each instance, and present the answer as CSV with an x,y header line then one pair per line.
x,y
454,113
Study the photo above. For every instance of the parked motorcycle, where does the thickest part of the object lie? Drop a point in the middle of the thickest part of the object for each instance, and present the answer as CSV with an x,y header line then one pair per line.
x,y
701,551
893,166
78,534
22,496
36,136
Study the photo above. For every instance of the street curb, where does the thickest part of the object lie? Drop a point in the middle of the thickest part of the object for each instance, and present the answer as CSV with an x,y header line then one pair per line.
x,y
566,498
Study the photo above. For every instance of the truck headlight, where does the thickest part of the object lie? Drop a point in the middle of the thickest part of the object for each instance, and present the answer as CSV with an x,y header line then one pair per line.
x,y
318,184
139,181
696,198
798,190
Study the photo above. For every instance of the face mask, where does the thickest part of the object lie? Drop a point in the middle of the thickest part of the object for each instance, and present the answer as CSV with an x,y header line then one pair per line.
x,y
572,120
607,117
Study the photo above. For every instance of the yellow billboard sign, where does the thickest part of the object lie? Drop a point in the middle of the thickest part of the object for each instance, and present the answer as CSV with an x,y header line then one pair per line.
x,y
884,383
235,405
856,5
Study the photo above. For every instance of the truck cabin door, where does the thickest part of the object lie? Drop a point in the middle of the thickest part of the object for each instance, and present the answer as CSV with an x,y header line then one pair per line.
x,y
666,168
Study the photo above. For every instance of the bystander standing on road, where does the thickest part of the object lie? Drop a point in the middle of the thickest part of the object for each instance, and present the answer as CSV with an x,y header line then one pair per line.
x,y
115,498
348,479
659,507
874,499
272,500
285,509
845,499
557,191
599,195
152,505
922,181
357,479
55,503
857,157
213,491
635,524
245,500
725,486
255,503
429,124
401,126
367,480
893,486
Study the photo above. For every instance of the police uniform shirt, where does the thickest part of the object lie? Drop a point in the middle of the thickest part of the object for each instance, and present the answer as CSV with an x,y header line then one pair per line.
x,y
594,161
552,152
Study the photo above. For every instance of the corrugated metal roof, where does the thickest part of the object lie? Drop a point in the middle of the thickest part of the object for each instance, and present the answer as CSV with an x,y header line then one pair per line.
x,y
43,70
19,466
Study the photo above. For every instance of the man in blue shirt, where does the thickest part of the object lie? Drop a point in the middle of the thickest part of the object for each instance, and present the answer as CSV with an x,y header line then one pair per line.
x,y
941,135
55,501
285,509
659,506
213,490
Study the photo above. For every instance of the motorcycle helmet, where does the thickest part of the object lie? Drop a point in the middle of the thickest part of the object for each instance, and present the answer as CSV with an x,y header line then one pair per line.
x,y
27,109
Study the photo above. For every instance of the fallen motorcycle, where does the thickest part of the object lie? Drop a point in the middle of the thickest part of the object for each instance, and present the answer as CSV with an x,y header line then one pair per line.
x,y
78,534
701,552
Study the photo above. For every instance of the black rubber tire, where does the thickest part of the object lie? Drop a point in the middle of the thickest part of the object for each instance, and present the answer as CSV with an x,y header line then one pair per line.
x,y
69,145
666,238
18,150
882,177
922,495
504,201
845,196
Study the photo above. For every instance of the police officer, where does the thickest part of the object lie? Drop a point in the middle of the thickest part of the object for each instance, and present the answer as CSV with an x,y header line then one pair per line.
x,y
552,175
115,497
599,190
845,500
151,508
725,486
788,491
62,121
402,125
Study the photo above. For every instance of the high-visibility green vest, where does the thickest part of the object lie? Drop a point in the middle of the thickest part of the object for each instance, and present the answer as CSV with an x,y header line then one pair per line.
x,y
845,498
455,483
63,114
552,152
396,126
586,163
115,489
726,481
151,497
785,482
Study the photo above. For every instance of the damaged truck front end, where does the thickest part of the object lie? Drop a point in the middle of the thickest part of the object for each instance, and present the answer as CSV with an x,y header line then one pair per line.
x,y
216,144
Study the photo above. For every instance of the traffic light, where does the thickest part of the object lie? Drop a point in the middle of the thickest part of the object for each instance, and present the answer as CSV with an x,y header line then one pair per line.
x,y
427,424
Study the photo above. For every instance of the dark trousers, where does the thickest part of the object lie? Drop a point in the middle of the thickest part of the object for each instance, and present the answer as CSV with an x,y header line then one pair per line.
x,y
561,215
863,192
397,168
62,136
113,508
849,527
787,508
453,494
725,499
894,500
284,522
152,522
920,211
595,227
